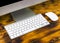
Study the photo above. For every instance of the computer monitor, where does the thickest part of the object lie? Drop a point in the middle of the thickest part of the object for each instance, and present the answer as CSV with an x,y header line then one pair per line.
x,y
8,6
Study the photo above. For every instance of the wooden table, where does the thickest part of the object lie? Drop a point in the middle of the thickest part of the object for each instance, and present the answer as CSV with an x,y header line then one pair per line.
x,y
48,34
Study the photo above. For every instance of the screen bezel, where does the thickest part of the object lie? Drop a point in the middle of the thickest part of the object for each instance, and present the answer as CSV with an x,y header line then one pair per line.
x,y
18,5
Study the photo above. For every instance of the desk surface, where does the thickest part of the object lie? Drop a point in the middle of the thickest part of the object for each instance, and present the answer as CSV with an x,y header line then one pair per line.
x,y
48,34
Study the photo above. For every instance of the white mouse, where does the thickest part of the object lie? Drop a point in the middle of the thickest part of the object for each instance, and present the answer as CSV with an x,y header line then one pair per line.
x,y
52,16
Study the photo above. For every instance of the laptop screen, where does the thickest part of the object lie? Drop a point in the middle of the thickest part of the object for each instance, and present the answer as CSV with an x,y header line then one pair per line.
x,y
6,2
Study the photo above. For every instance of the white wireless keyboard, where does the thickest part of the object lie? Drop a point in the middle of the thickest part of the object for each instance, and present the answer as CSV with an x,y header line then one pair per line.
x,y
27,25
